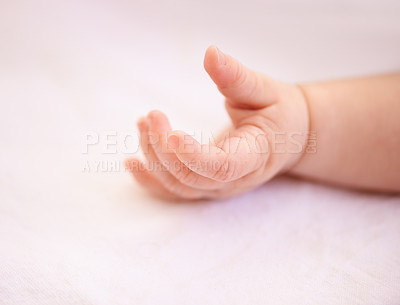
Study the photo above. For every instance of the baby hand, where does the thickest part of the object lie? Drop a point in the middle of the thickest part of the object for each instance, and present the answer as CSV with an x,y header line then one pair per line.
x,y
267,137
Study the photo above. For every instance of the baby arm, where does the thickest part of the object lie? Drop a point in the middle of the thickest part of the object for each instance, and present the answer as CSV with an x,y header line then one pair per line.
x,y
357,128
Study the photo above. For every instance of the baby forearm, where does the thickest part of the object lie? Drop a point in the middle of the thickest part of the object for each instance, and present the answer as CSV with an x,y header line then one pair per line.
x,y
357,127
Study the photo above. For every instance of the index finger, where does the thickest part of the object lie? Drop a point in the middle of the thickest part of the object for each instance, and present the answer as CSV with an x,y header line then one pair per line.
x,y
241,154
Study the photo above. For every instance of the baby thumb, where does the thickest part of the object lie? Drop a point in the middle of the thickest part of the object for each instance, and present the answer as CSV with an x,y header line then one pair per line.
x,y
242,87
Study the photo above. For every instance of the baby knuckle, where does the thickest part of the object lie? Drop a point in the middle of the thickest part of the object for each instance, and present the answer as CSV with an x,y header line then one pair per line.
x,y
184,174
225,171
189,178
240,77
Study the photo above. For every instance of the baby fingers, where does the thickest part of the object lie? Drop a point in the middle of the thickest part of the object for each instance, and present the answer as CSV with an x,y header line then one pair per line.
x,y
147,179
159,129
238,157
157,170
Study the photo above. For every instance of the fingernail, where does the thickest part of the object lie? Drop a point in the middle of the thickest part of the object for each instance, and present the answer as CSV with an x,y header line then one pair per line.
x,y
149,122
141,124
221,57
173,141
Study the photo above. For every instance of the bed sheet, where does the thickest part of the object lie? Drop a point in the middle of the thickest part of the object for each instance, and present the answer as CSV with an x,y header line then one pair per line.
x,y
76,229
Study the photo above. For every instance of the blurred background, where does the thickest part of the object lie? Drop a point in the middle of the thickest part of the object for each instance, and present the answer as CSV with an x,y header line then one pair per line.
x,y
73,68
117,59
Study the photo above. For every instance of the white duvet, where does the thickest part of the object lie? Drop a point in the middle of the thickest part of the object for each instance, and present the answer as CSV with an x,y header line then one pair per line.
x,y
75,228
